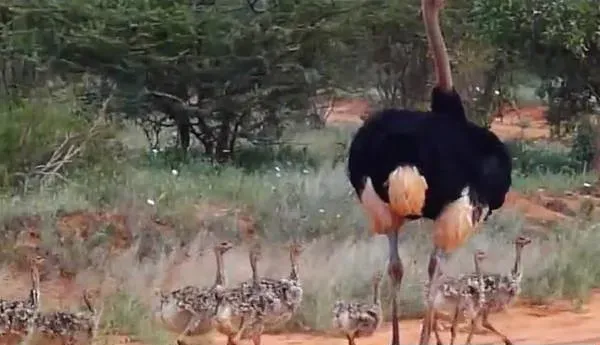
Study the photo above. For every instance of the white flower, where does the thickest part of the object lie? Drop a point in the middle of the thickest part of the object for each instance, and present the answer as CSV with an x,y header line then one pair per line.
x,y
150,202
305,171
321,210
277,168
496,92
278,175
155,151
174,172
477,88
585,184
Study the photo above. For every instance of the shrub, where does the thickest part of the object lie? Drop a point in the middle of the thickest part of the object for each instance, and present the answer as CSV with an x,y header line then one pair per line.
x,y
583,148
41,142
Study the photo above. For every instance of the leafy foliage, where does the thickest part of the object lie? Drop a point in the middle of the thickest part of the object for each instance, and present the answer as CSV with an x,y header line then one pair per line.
x,y
583,148
559,40
223,73
41,142
217,72
226,74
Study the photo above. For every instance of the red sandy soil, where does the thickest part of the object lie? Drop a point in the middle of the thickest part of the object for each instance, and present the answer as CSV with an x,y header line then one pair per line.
x,y
525,123
528,123
527,325
557,323
553,324
349,110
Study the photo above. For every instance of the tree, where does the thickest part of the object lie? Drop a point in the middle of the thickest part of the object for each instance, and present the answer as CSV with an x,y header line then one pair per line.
x,y
220,72
560,41
389,52
217,72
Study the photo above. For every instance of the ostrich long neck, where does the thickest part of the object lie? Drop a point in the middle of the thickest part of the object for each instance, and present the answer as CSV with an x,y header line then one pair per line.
x,y
477,267
253,266
220,277
294,267
376,297
35,286
480,282
516,271
438,47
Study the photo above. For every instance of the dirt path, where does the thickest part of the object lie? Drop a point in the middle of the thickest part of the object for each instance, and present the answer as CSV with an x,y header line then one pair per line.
x,y
532,118
554,324
522,325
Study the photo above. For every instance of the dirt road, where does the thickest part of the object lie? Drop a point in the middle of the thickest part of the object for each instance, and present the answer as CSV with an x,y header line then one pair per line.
x,y
554,324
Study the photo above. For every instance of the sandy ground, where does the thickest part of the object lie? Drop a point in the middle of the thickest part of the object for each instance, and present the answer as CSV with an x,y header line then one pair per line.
x,y
557,323
553,324
526,123
527,325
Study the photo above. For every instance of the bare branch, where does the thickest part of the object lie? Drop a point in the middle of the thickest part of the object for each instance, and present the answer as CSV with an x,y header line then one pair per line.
x,y
166,95
104,108
65,152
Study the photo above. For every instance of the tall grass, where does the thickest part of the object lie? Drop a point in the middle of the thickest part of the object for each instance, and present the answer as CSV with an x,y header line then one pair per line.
x,y
317,207
559,267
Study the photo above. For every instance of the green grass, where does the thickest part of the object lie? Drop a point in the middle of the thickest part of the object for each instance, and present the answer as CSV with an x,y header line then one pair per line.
x,y
552,182
566,269
319,208
548,166
127,314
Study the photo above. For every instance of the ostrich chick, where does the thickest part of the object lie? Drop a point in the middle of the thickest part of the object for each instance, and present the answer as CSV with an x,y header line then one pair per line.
x,y
359,319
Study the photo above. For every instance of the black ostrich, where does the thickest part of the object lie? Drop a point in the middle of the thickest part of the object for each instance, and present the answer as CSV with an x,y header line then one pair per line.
x,y
406,165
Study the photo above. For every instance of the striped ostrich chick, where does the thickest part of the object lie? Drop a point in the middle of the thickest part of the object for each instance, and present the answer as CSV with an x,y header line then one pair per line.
x,y
67,328
17,317
359,319
241,310
500,290
288,290
471,299
189,311
405,165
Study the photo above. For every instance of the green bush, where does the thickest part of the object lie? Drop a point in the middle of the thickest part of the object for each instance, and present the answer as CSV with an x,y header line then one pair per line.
x,y
40,141
530,159
583,148
267,157
568,268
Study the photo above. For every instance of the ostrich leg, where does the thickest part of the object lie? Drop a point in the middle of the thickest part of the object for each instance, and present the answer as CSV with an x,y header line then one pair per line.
x,y
395,272
437,258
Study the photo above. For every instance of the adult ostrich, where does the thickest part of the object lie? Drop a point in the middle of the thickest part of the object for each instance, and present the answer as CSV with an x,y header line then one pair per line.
x,y
405,165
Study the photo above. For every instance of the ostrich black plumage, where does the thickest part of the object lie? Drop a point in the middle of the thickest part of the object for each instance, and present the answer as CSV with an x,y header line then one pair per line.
x,y
405,165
